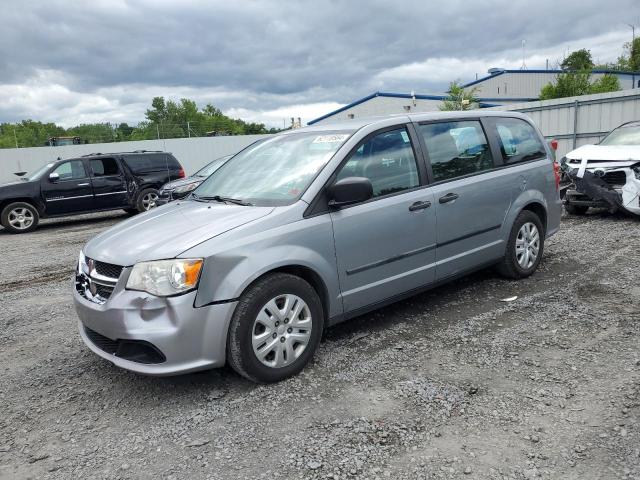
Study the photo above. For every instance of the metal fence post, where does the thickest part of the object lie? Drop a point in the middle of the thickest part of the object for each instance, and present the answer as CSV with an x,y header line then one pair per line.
x,y
575,123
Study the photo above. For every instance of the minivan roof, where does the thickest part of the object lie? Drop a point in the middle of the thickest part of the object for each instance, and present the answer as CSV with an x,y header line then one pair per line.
x,y
358,123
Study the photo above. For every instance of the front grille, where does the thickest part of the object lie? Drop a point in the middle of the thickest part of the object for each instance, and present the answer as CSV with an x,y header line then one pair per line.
x,y
108,269
615,178
139,351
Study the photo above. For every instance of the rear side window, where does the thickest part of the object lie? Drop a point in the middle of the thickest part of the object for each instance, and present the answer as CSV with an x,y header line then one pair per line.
x,y
519,142
71,170
387,160
152,163
456,149
102,167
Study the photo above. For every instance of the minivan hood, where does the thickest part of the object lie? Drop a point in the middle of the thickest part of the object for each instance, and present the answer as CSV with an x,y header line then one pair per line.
x,y
167,231
629,154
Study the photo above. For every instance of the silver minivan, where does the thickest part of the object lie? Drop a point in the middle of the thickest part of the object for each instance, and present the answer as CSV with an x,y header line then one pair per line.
x,y
309,228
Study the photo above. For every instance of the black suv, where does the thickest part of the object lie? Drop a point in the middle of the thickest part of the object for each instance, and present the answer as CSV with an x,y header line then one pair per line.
x,y
92,183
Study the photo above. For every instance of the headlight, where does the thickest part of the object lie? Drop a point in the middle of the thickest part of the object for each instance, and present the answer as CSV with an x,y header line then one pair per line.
x,y
164,278
82,264
185,188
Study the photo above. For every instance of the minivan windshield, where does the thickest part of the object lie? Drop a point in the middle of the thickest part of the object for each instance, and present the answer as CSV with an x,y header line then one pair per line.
x,y
273,172
625,135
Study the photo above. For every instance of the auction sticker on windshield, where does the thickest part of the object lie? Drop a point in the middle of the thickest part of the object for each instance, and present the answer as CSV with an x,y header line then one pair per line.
x,y
330,138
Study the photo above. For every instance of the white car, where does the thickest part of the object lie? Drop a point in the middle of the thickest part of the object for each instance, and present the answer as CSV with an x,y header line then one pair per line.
x,y
606,174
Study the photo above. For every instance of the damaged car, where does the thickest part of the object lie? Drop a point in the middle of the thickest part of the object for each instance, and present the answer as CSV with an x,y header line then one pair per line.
x,y
92,183
605,175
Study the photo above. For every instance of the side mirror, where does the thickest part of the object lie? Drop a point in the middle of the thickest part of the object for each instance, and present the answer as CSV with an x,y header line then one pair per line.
x,y
348,191
54,177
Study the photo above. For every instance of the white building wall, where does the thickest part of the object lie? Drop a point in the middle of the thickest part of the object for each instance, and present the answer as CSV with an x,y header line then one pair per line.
x,y
193,153
380,106
528,84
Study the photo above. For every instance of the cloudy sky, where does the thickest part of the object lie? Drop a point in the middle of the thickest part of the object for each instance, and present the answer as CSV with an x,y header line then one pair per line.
x,y
264,60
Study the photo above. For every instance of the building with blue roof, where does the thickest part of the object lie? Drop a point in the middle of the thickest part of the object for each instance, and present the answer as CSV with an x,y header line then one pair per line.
x,y
499,87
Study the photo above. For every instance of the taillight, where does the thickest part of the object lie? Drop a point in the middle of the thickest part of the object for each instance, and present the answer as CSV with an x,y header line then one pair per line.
x,y
181,174
556,173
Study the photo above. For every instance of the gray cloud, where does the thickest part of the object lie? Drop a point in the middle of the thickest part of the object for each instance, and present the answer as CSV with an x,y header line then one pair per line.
x,y
257,56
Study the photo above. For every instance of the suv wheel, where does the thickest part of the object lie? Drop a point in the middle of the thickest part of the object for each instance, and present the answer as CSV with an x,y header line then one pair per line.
x,y
275,329
19,217
524,247
575,209
146,199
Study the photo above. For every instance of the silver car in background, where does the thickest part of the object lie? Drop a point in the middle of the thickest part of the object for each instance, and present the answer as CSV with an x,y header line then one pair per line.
x,y
309,228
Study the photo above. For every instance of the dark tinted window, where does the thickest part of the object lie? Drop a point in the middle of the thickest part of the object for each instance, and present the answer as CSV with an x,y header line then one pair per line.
x,y
519,140
387,160
71,170
456,148
151,162
102,167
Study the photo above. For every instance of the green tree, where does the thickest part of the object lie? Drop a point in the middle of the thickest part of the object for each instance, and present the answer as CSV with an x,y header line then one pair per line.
x,y
606,83
579,60
459,98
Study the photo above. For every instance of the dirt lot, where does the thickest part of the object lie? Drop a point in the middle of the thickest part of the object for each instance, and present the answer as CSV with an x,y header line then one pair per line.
x,y
454,383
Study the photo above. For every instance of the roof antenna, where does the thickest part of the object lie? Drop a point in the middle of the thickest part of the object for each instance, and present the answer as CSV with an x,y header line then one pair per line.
x,y
524,65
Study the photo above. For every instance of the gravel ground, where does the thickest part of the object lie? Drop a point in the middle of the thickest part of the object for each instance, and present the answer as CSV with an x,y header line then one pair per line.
x,y
454,383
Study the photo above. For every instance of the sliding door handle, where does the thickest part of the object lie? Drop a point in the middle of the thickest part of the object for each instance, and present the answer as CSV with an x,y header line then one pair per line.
x,y
419,206
449,197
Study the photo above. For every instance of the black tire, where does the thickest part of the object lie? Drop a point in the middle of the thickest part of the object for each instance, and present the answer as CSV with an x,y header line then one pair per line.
x,y
11,209
141,205
240,354
575,209
509,266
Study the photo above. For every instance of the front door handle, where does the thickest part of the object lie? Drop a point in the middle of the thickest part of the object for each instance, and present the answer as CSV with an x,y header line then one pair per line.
x,y
83,184
419,206
449,197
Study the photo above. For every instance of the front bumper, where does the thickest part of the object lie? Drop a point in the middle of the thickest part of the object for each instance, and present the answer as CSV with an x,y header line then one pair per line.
x,y
188,338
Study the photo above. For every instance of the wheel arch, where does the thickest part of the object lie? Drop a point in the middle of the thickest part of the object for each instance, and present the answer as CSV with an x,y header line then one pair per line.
x,y
312,277
37,205
539,209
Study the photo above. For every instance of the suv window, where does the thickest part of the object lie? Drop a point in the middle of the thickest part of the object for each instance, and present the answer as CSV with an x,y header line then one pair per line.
x,y
151,163
519,140
456,148
71,170
387,160
103,167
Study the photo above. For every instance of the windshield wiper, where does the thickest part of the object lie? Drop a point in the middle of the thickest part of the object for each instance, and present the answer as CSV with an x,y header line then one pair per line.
x,y
221,199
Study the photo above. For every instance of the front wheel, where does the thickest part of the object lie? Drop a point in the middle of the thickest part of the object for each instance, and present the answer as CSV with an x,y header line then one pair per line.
x,y
524,247
19,217
275,329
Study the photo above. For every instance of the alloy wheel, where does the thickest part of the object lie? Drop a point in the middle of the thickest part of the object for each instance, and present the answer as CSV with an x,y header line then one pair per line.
x,y
527,245
21,218
281,331
149,200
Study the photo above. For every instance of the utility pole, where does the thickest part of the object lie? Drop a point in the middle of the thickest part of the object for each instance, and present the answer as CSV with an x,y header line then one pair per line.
x,y
633,33
15,137
188,130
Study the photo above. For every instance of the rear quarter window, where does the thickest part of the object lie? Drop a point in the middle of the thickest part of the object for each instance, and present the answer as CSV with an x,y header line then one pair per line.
x,y
151,163
519,141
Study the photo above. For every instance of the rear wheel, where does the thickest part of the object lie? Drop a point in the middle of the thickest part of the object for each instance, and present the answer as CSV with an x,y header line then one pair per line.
x,y
524,247
19,217
146,199
275,329
575,209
